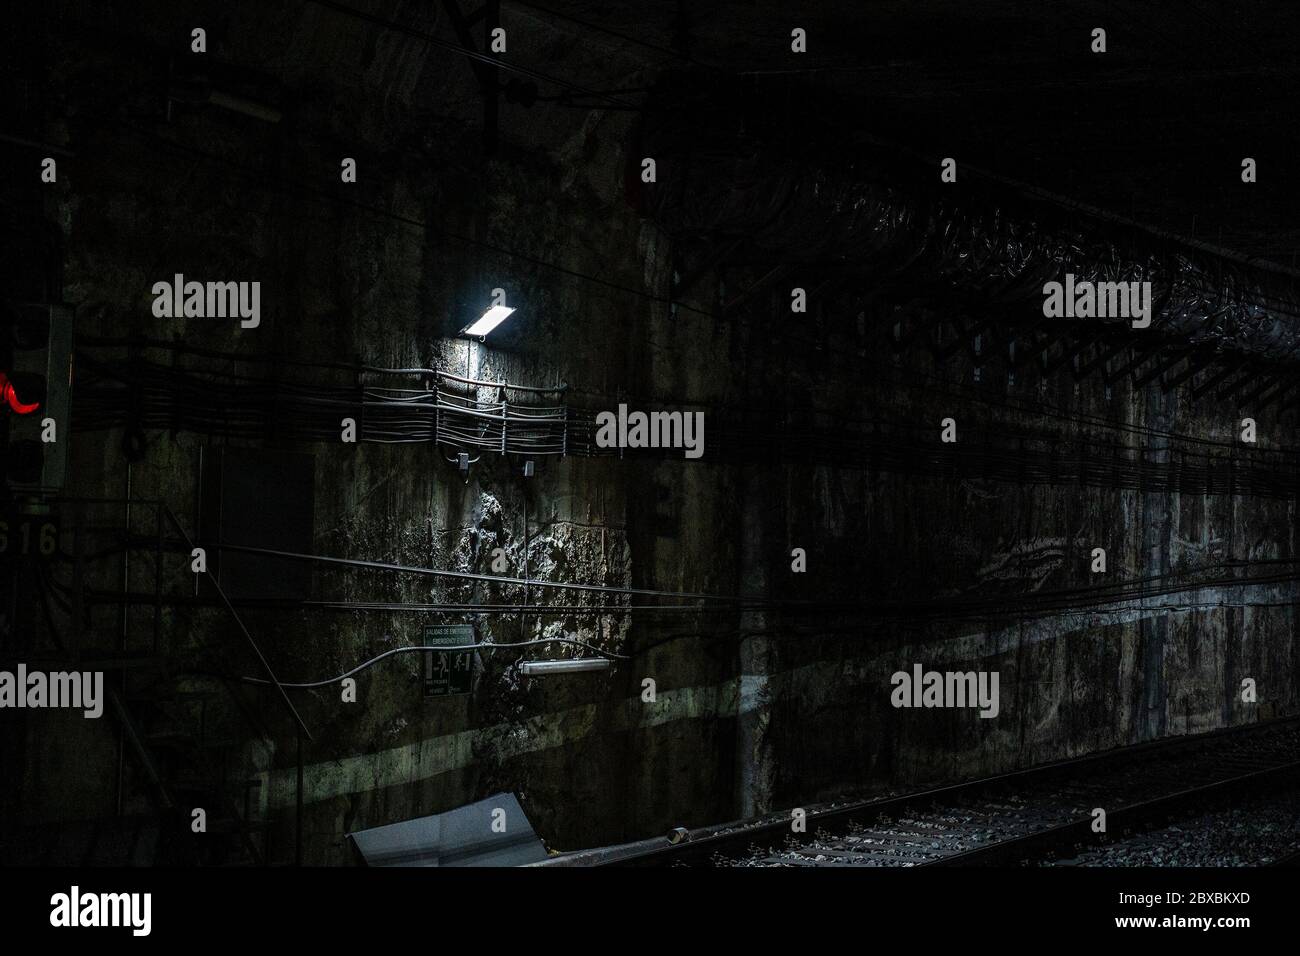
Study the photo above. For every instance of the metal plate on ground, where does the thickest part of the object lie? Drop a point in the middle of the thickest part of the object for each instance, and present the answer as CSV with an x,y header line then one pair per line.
x,y
492,832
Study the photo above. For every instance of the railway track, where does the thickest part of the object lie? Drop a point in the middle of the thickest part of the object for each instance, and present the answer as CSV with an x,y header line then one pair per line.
x,y
1043,814
1260,828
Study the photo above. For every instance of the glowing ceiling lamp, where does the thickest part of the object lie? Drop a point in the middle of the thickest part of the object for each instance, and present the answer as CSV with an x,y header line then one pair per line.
x,y
488,321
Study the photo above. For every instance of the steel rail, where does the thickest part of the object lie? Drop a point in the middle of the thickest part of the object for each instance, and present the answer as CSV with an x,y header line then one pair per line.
x,y
733,838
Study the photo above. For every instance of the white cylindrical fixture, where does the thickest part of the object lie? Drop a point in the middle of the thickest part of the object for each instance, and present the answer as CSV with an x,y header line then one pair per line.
x,y
238,104
542,668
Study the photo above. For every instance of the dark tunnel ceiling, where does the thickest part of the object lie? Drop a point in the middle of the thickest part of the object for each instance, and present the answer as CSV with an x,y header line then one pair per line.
x,y
1155,129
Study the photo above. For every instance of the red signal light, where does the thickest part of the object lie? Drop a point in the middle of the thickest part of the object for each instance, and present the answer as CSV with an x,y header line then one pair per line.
x,y
11,397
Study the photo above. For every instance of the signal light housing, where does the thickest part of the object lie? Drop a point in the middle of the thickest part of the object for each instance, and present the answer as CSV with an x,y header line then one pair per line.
x,y
19,391
35,395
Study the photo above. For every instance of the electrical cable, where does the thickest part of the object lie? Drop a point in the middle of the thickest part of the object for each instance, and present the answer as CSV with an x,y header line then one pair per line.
x,y
470,576
474,55
263,180
627,38
172,398
948,607
929,382
307,685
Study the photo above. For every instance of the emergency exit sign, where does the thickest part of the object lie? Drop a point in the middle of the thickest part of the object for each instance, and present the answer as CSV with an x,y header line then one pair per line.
x,y
448,673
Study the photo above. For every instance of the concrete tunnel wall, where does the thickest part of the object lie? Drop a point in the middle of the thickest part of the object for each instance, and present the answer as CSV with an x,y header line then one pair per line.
x,y
735,729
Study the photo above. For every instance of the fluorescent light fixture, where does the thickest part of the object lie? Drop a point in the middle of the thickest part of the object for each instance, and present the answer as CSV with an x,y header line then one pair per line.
x,y
490,320
541,668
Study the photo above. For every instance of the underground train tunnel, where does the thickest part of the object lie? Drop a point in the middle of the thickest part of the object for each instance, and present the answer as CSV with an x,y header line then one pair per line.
x,y
735,435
